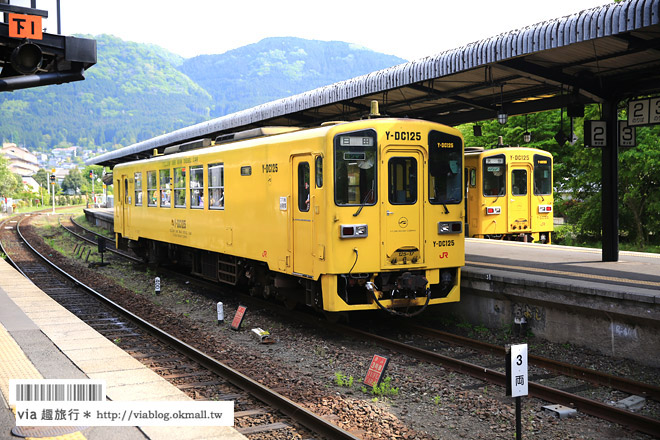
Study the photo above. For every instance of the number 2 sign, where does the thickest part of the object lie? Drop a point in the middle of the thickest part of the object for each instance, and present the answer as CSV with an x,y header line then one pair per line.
x,y
595,133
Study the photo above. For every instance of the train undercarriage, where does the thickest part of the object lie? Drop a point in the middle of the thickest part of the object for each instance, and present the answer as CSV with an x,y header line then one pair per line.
x,y
407,289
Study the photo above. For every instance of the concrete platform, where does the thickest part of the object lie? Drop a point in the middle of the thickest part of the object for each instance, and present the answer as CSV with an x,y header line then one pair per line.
x,y
566,295
41,339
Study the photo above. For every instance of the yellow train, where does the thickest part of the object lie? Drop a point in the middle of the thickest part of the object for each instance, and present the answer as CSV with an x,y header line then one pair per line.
x,y
509,194
347,216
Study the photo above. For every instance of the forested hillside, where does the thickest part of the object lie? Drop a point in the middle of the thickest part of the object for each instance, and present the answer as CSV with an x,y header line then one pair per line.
x,y
275,68
138,91
133,92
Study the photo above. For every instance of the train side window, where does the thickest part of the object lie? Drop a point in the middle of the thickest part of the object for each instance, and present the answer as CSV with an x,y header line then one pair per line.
x,y
197,187
138,189
165,189
318,171
303,187
180,187
473,177
494,176
402,180
152,189
128,198
519,182
216,186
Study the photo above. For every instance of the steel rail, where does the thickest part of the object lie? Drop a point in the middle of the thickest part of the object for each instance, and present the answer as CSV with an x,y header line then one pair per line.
x,y
626,418
114,251
592,376
629,419
301,415
89,230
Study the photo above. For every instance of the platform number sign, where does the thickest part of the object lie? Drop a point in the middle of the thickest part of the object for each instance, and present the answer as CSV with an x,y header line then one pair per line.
x,y
595,133
627,136
516,370
376,370
644,112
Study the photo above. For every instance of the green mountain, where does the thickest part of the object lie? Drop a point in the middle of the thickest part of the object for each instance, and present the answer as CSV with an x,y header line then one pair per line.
x,y
138,91
134,92
275,68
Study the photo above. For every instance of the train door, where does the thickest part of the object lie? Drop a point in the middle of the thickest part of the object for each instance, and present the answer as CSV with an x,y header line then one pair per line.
x,y
127,193
302,215
119,205
518,200
402,207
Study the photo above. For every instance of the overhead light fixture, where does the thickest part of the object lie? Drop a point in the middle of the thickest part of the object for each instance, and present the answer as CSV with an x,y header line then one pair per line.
x,y
502,117
561,138
527,136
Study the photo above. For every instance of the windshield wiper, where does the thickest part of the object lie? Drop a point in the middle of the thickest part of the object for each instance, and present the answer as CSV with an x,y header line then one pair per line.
x,y
364,201
444,203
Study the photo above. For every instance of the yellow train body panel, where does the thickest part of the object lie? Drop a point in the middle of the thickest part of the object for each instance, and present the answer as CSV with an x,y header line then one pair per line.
x,y
342,207
509,194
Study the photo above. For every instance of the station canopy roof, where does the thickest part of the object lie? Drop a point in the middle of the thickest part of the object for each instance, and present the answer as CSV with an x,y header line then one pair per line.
x,y
611,52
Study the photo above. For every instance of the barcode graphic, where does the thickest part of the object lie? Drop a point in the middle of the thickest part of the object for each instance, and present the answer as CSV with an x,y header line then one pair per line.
x,y
57,391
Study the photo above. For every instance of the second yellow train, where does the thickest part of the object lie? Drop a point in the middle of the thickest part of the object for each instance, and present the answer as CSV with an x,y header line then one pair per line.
x,y
509,194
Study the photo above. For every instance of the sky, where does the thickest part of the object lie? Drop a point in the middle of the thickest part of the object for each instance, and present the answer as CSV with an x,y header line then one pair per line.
x,y
409,29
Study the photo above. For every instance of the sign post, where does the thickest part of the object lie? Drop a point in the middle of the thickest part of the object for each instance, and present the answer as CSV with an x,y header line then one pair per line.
x,y
516,379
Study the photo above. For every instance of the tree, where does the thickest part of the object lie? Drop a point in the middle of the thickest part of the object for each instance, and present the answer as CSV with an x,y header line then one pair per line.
x,y
73,182
639,186
41,177
10,183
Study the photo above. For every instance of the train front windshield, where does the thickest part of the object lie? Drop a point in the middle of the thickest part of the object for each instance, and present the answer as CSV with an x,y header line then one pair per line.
x,y
494,171
542,175
355,170
445,168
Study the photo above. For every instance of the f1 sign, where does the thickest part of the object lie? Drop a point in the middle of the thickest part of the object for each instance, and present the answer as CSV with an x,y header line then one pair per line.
x,y
25,26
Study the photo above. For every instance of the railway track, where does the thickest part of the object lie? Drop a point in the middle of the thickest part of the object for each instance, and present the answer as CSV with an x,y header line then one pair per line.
x,y
569,393
195,373
434,339
552,394
84,233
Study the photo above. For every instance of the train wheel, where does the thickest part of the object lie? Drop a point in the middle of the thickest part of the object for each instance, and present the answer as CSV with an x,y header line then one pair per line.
x,y
336,317
290,303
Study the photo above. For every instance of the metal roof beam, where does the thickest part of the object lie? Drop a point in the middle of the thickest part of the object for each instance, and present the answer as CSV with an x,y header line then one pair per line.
x,y
552,77
453,96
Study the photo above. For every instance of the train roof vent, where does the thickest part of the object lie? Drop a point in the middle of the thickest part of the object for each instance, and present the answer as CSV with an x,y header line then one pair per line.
x,y
325,124
192,145
253,133
474,149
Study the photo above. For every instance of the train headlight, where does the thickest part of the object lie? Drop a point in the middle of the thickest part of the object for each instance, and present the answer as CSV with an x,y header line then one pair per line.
x,y
450,227
545,209
353,231
491,210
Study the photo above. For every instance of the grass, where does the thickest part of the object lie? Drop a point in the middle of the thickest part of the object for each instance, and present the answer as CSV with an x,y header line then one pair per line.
x,y
384,389
342,380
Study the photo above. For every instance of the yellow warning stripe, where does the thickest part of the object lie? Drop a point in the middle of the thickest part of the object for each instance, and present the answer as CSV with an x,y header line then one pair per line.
x,y
572,274
14,364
